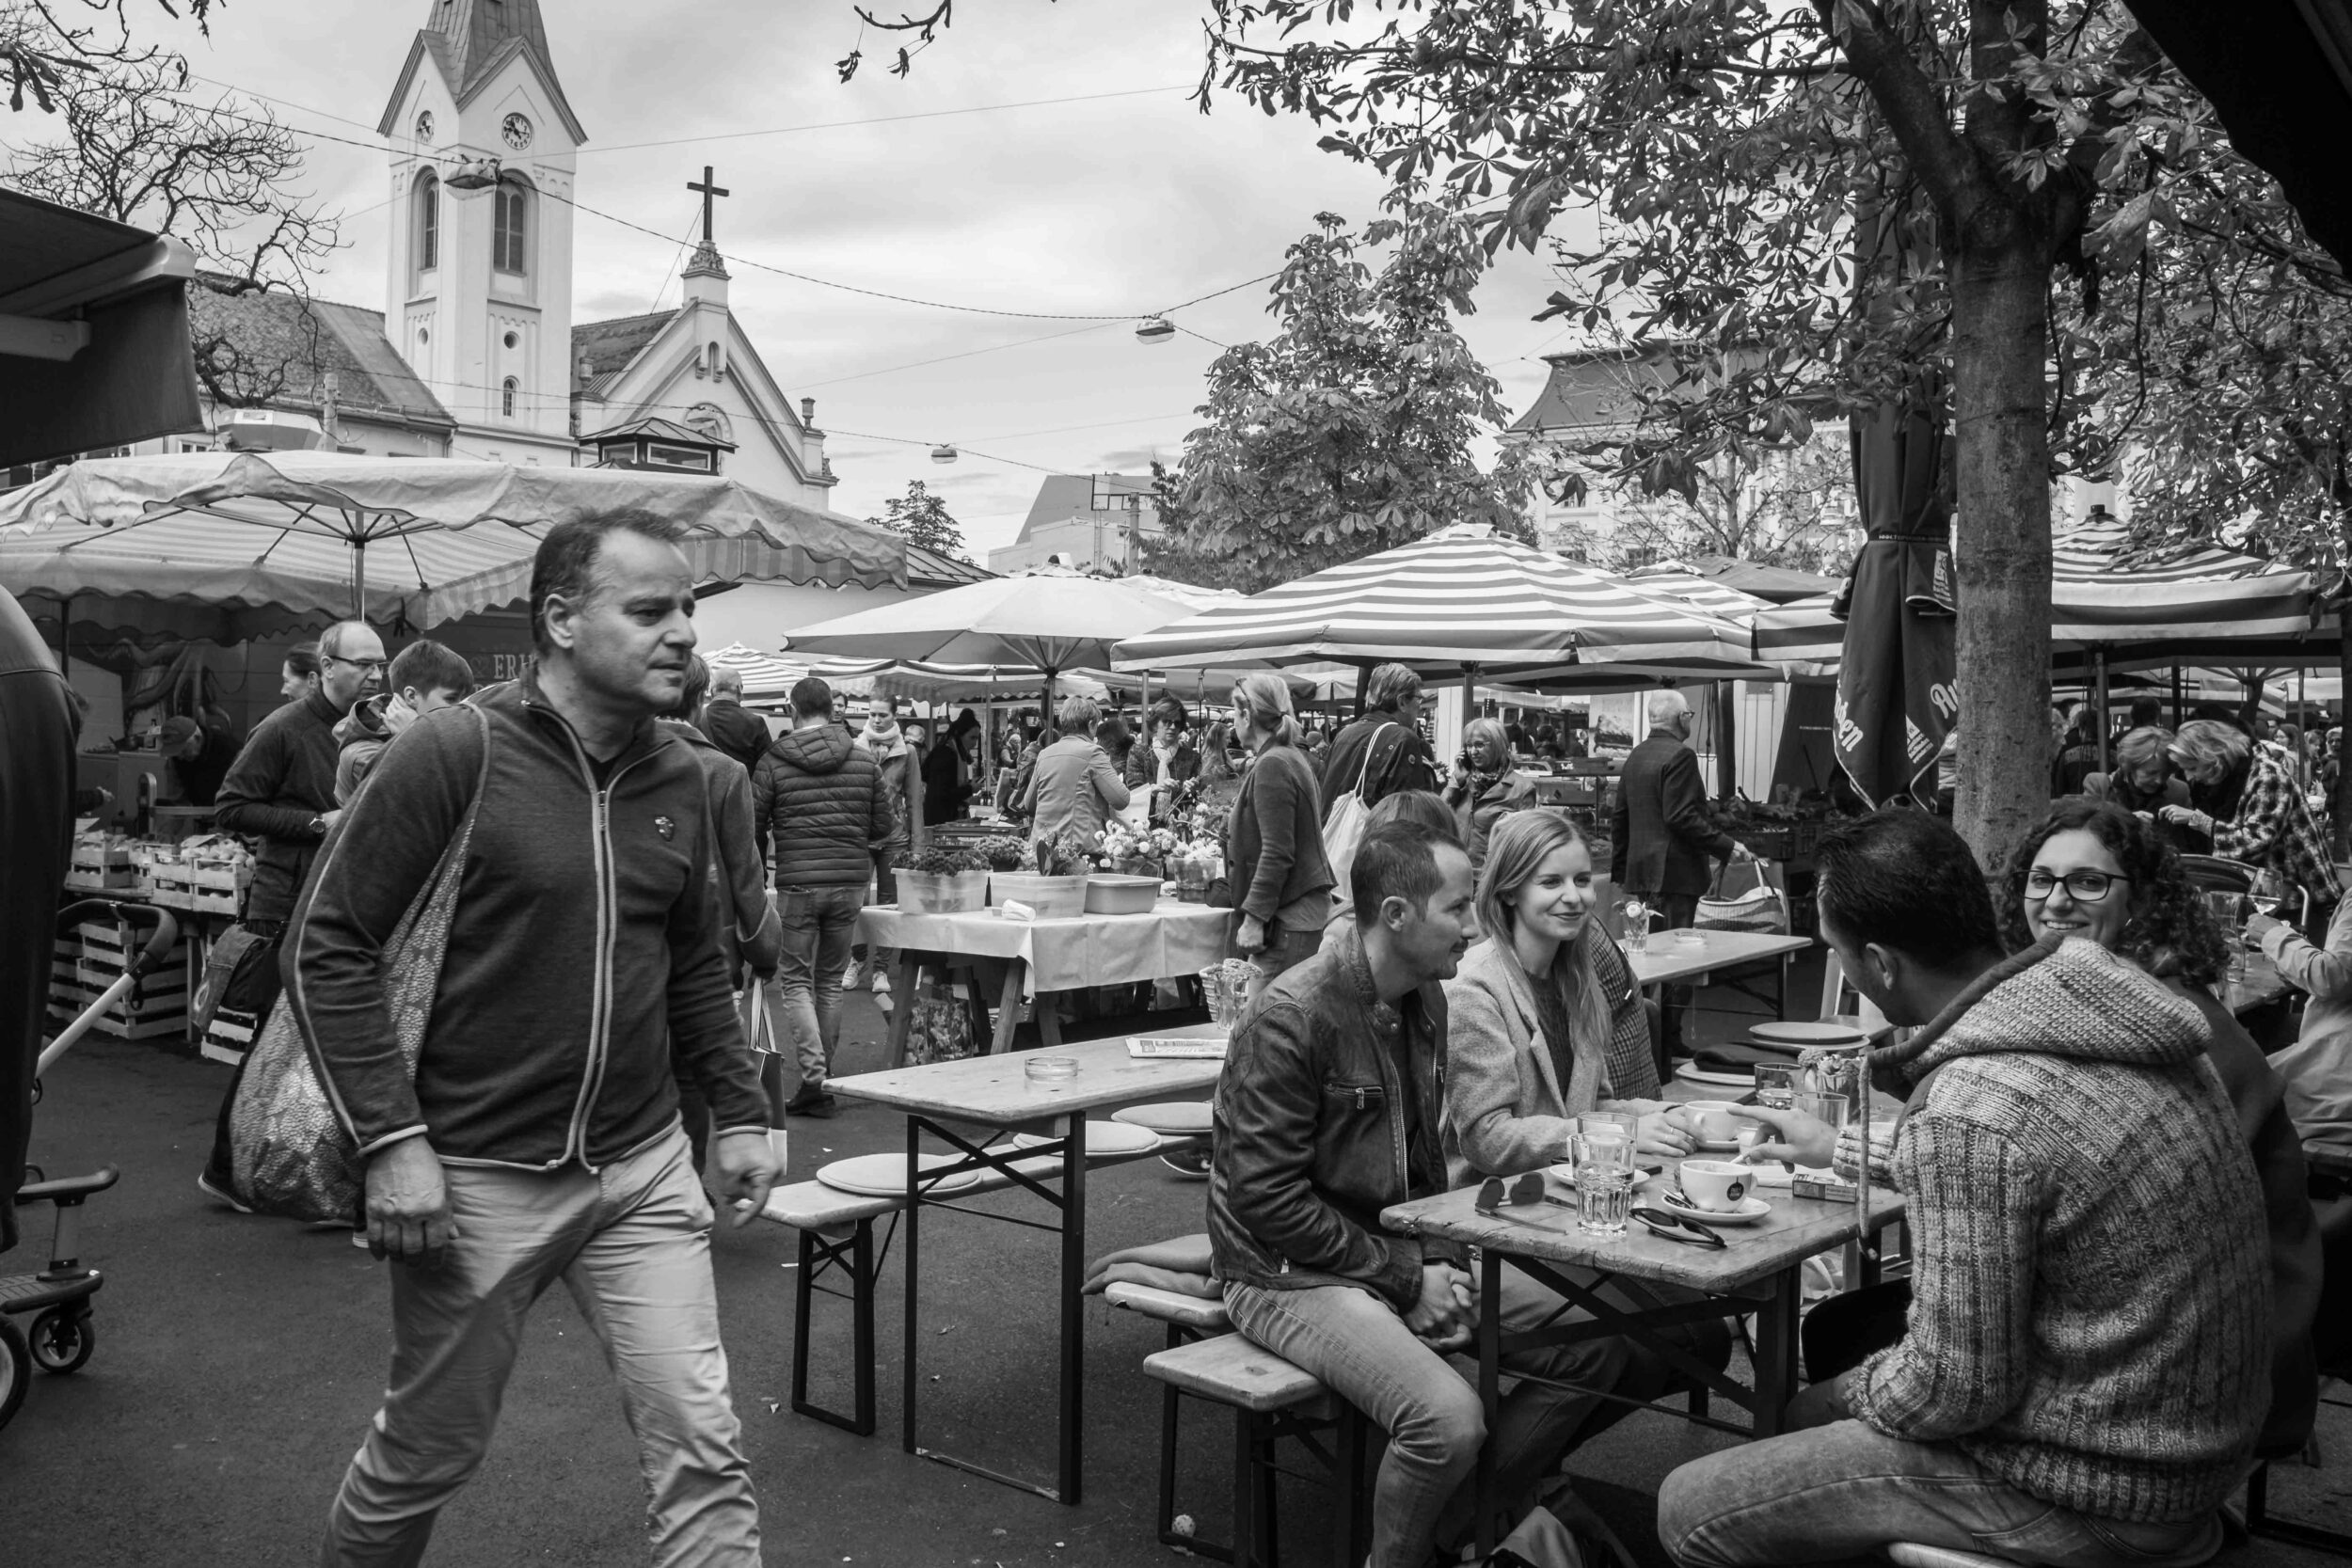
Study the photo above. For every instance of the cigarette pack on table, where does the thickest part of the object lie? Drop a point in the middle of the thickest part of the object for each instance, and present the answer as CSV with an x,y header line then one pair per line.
x,y
1175,1047
1829,1188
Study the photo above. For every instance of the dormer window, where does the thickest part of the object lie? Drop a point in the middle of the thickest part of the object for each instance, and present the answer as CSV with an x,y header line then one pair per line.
x,y
509,234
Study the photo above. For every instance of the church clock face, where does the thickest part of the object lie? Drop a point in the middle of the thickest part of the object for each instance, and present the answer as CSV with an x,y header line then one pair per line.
x,y
517,130
424,126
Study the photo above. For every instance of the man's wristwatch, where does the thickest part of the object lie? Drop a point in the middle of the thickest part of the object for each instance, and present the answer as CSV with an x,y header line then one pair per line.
x,y
318,827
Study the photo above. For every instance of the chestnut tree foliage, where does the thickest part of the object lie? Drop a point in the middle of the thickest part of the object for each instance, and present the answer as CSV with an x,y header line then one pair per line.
x,y
1349,430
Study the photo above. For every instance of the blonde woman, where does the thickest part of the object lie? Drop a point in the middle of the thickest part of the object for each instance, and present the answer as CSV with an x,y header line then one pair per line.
x,y
1274,858
1485,788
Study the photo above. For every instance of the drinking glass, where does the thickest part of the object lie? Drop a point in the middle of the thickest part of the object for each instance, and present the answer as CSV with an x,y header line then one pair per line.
x,y
1776,1085
1829,1108
1750,1134
2225,912
2269,892
1635,915
1604,1199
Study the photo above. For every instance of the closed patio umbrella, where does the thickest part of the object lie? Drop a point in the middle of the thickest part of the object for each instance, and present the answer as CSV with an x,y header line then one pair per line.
x,y
1895,680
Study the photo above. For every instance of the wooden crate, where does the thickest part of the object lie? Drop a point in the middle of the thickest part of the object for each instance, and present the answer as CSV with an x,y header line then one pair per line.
x,y
89,959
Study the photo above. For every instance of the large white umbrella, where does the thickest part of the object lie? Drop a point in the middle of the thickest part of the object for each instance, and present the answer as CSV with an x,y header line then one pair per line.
x,y
424,540
1048,622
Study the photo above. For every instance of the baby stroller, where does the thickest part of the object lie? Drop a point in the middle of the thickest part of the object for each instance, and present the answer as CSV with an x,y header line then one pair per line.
x,y
58,1298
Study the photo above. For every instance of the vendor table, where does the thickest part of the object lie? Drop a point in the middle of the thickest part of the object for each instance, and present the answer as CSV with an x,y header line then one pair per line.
x,y
1043,957
996,1093
1759,1271
1671,957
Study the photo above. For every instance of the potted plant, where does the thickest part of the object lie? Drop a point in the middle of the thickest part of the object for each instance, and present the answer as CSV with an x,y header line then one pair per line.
x,y
1055,886
945,878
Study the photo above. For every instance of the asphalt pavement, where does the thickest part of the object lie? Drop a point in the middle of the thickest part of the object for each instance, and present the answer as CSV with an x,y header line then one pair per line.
x,y
240,1359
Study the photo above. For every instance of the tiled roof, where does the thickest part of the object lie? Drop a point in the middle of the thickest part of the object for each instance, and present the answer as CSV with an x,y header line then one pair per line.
x,y
1599,388
279,347
612,346
654,428
470,41
930,569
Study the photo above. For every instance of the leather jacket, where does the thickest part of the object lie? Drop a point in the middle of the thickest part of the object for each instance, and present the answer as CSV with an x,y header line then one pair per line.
x,y
1310,1137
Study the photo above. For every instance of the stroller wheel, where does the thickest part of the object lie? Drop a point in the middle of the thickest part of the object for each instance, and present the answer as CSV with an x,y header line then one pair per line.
x,y
63,1337
16,1369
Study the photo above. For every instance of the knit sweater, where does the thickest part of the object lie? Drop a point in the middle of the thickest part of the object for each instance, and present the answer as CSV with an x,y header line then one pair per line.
x,y
2090,1309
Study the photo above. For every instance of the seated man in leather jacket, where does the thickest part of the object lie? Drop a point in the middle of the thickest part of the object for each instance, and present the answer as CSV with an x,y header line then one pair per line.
x,y
1328,1112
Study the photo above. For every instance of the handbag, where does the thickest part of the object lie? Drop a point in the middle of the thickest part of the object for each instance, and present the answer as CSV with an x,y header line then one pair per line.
x,y
228,971
291,1154
1763,907
1343,830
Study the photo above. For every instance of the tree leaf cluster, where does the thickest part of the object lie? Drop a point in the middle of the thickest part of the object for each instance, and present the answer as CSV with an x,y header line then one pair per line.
x,y
922,518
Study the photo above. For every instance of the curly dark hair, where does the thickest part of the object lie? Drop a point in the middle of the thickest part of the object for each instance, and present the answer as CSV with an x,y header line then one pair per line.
x,y
2171,934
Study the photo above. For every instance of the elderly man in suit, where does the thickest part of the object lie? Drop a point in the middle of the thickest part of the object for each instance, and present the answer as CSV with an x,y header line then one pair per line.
x,y
1660,838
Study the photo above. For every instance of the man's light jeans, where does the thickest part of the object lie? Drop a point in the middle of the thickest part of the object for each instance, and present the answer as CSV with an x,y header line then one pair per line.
x,y
1847,1489
632,1245
1358,1346
818,926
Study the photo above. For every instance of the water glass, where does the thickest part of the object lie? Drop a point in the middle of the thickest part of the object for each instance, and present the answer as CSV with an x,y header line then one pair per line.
x,y
1604,1200
1776,1085
1829,1108
1635,914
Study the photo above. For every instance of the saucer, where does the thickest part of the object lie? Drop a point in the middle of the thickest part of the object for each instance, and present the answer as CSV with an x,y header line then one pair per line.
x,y
1750,1210
1691,1073
1566,1175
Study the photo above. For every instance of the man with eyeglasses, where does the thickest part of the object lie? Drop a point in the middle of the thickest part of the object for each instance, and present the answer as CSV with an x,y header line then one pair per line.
x,y
281,791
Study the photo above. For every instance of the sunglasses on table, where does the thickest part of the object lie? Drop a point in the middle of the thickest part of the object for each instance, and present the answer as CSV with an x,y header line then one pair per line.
x,y
1525,1192
1676,1229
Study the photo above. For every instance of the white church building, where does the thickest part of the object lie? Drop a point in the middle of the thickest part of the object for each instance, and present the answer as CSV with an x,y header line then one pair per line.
x,y
474,353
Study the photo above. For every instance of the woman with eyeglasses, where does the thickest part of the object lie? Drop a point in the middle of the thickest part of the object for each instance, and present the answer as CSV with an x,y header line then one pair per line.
x,y
2094,871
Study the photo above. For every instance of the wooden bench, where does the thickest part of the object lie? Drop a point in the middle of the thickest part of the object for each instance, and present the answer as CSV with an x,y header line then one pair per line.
x,y
1271,1399
837,1232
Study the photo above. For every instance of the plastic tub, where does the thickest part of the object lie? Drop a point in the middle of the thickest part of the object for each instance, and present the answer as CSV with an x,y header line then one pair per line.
x,y
1115,893
1051,898
934,892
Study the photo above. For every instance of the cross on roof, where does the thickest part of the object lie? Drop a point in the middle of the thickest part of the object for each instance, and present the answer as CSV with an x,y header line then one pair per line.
x,y
707,190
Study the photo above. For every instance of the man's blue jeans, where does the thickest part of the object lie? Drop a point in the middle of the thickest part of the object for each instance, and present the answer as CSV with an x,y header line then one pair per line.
x,y
818,926
632,1245
1847,1490
1359,1347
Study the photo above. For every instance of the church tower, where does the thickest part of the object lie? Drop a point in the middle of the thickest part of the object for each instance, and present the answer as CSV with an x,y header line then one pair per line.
x,y
478,296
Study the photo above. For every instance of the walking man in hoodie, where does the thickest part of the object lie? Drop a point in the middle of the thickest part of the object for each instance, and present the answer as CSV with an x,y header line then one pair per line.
x,y
282,790
734,729
539,1139
818,809
2087,1359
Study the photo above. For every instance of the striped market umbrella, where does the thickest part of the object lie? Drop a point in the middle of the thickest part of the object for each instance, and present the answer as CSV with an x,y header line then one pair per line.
x,y
422,539
765,677
1457,600
2154,606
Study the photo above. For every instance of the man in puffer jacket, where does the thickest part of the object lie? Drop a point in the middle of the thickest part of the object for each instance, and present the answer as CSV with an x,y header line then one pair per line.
x,y
819,810
2087,1358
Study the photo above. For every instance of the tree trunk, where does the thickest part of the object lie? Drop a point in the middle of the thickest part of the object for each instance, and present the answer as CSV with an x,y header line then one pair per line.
x,y
2000,348
2339,828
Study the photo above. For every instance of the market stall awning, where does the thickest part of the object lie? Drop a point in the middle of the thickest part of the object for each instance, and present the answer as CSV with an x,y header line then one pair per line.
x,y
424,540
765,676
2191,601
1046,621
1460,598
94,346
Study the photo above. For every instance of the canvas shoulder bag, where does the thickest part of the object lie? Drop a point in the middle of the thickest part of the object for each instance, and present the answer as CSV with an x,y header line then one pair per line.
x,y
291,1154
1349,816
1761,906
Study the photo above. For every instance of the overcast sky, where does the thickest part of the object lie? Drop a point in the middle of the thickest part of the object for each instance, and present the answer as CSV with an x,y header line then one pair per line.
x,y
1110,205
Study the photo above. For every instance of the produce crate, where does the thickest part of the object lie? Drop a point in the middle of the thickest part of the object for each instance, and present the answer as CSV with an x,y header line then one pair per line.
x,y
90,957
228,1036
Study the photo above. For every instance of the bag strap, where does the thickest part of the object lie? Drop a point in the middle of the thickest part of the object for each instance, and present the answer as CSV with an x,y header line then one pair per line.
x,y
1370,746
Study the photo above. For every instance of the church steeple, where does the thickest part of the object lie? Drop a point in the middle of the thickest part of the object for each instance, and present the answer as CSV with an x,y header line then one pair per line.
x,y
471,40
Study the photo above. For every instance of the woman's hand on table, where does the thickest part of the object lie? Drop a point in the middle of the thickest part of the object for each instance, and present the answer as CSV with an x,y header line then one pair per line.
x,y
1664,1132
1798,1139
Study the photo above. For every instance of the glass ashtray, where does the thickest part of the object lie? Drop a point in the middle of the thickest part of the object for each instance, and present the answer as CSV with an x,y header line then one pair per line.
x,y
1051,1069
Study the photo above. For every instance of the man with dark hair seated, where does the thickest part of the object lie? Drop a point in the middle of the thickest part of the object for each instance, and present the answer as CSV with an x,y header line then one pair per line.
x,y
2087,1358
1335,1069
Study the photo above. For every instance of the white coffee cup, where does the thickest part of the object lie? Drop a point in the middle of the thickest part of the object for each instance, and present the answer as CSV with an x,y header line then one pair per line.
x,y
1718,1186
1716,1120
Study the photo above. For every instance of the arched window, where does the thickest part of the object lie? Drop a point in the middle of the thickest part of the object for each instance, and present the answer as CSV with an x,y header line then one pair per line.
x,y
510,235
506,397
427,196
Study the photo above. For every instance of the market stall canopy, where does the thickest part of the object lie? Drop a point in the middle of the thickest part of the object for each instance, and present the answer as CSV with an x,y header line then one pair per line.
x,y
1461,598
765,676
420,540
1048,621
2153,605
94,348
1776,584
1711,594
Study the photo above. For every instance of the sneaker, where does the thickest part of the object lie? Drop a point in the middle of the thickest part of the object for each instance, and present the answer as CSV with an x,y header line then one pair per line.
x,y
360,1239
810,1103
853,976
219,1193
881,983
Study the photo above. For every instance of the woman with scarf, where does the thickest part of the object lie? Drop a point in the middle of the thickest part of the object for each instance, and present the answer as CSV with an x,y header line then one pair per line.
x,y
1274,857
1485,788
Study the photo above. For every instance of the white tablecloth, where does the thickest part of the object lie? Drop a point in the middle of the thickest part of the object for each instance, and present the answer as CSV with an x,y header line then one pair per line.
x,y
1064,955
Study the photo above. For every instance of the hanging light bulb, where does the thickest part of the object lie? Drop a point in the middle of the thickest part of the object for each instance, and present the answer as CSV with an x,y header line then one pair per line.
x,y
943,454
1155,330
